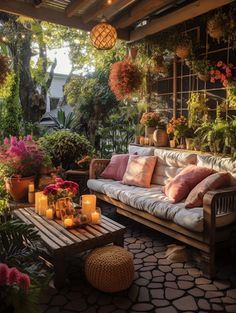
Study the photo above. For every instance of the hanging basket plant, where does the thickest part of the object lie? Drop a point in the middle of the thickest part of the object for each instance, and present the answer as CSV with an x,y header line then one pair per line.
x,y
124,79
159,64
201,68
4,68
183,46
216,25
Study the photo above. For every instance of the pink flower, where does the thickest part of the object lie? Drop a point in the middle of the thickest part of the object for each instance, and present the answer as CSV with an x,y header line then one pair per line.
x,y
13,277
29,138
212,80
6,141
24,281
225,83
13,140
4,271
219,64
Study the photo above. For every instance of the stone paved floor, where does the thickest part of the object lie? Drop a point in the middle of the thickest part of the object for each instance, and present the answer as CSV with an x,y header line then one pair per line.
x,y
159,285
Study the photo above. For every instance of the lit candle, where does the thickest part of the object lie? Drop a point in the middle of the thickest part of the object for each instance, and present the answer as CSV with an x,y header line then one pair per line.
x,y
43,205
31,187
38,195
95,217
68,222
49,214
88,204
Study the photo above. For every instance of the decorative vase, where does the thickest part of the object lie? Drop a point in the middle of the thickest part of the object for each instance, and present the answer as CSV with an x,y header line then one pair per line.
x,y
160,137
189,143
18,187
149,131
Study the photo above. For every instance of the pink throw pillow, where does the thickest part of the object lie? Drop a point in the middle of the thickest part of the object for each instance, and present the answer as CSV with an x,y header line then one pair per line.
x,y
212,182
181,185
116,167
139,171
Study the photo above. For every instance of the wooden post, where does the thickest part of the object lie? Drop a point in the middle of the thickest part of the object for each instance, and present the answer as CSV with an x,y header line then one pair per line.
x,y
174,87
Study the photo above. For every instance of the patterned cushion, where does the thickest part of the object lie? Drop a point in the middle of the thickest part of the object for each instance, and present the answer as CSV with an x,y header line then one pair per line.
x,y
169,164
153,201
219,164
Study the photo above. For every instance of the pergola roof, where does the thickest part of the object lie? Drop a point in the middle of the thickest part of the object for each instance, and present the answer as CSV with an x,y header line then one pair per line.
x,y
133,19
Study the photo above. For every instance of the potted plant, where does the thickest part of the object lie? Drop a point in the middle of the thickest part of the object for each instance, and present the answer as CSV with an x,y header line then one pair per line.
x,y
125,78
150,120
139,131
201,68
216,25
20,162
222,72
178,128
197,109
183,46
61,189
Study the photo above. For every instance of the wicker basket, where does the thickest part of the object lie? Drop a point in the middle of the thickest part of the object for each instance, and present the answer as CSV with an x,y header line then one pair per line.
x,y
110,269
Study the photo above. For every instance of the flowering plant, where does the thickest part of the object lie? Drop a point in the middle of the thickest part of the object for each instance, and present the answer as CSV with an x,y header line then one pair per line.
x,y
125,77
221,72
13,284
20,157
61,189
151,119
177,127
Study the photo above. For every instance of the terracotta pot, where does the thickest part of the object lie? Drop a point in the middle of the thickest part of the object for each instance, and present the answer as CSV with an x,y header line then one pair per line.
x,y
182,52
160,138
203,77
18,187
137,139
149,131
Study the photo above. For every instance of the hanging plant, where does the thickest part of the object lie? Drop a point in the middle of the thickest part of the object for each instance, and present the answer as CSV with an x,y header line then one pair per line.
x,y
183,46
231,94
222,72
216,25
4,68
159,64
125,78
201,68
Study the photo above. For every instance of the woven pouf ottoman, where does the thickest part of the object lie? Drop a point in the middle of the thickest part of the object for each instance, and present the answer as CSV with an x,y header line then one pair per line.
x,y
110,268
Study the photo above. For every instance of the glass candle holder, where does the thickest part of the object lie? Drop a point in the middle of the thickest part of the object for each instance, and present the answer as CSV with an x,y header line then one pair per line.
x,y
96,216
68,221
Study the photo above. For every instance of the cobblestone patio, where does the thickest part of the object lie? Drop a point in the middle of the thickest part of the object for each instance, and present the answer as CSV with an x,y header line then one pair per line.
x,y
159,285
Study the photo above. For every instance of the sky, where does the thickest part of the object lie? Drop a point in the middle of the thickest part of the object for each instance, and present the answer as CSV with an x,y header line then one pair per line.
x,y
63,61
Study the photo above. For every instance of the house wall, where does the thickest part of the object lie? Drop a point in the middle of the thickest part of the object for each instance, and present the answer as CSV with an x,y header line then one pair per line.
x,y
55,91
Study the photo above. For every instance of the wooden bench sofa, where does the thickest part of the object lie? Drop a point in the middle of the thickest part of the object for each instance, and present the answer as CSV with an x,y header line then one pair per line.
x,y
213,225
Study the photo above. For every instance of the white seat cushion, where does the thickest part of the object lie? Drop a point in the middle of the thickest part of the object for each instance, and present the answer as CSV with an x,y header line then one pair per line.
x,y
153,201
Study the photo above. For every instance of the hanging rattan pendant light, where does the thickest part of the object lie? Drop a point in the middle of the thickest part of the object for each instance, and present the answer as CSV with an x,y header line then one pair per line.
x,y
103,36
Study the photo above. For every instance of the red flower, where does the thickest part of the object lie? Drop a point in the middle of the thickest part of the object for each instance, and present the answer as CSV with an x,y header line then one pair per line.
x,y
24,281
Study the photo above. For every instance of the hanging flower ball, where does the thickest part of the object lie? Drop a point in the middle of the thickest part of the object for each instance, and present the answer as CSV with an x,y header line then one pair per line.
x,y
125,78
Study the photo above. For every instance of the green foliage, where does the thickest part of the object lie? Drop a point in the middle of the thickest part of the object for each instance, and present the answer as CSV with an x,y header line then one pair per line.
x,y
65,147
6,88
197,109
63,121
11,112
218,136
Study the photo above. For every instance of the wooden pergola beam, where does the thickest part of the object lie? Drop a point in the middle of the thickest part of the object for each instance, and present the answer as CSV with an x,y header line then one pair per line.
x,y
49,15
117,7
185,13
97,10
139,11
75,6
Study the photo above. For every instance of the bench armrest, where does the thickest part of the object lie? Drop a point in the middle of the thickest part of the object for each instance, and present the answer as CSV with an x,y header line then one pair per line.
x,y
96,167
216,203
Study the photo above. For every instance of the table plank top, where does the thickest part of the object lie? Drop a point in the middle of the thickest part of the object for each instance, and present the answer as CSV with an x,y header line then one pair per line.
x,y
56,237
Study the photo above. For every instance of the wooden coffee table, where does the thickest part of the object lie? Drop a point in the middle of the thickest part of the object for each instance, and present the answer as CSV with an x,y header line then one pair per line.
x,y
62,243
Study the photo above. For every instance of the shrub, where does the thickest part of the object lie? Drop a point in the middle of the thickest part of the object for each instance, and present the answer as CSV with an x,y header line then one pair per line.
x,y
65,147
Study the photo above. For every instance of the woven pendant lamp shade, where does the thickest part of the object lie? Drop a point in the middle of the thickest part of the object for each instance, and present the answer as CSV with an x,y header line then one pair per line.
x,y
103,36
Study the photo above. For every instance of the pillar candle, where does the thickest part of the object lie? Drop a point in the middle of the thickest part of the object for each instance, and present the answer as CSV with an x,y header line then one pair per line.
x,y
31,187
95,218
43,205
88,204
49,214
68,222
38,196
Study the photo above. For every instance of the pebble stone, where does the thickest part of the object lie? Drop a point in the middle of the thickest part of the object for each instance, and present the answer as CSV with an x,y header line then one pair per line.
x,y
159,286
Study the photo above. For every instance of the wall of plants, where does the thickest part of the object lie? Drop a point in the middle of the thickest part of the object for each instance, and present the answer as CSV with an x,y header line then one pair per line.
x,y
205,64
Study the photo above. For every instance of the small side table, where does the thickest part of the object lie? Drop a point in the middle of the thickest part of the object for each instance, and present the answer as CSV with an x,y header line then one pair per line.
x,y
80,177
